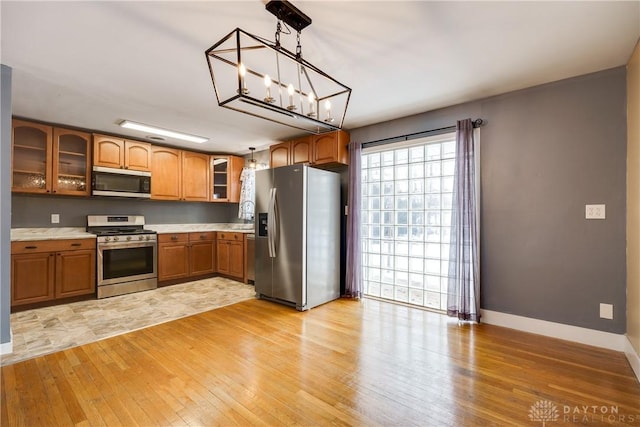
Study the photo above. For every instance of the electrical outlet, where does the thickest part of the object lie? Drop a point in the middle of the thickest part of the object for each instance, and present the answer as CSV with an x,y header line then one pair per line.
x,y
55,218
595,212
606,311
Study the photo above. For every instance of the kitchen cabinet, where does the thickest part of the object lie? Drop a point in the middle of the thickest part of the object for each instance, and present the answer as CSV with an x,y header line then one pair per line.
x,y
173,256
195,176
302,150
279,154
166,173
226,172
230,248
114,152
184,255
49,159
179,175
52,269
203,253
324,149
330,147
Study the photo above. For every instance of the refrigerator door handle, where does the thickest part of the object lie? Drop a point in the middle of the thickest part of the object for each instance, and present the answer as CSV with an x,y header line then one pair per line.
x,y
276,222
270,226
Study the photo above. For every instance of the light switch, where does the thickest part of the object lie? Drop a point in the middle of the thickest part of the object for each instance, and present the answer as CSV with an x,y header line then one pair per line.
x,y
55,218
595,212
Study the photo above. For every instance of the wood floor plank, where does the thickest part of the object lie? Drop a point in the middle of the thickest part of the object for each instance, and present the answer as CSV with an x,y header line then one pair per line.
x,y
344,363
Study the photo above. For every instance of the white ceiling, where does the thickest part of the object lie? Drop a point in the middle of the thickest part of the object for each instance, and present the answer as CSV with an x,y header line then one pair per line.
x,y
93,64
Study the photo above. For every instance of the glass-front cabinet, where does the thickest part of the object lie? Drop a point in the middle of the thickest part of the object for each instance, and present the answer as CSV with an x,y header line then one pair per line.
x,y
49,159
226,172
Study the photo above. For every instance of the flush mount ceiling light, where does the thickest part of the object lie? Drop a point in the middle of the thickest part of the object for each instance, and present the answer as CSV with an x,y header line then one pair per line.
x,y
261,78
128,124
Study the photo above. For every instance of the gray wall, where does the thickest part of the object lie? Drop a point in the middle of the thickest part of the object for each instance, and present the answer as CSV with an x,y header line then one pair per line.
x,y
36,210
547,151
5,203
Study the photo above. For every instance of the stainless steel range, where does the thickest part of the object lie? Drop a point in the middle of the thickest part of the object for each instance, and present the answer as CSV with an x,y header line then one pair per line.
x,y
127,254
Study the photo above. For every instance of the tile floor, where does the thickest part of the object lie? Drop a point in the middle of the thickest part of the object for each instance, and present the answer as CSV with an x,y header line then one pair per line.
x,y
50,329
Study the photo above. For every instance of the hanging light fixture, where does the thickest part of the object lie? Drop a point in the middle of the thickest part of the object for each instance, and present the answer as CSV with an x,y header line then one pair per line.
x,y
252,162
261,78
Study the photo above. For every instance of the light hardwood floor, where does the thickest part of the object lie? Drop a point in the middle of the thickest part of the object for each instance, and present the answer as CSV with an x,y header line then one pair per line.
x,y
362,363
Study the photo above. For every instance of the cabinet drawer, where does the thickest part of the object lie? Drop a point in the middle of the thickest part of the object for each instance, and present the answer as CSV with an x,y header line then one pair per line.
x,y
37,246
173,237
202,236
229,236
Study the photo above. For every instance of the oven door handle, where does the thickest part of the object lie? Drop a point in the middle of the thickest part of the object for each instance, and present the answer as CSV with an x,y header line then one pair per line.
x,y
123,245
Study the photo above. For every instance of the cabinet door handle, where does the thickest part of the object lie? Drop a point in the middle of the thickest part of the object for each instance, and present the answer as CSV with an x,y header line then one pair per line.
x,y
76,244
31,247
202,236
174,237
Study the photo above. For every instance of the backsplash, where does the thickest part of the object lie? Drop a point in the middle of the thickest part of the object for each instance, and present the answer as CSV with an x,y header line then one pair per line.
x,y
35,211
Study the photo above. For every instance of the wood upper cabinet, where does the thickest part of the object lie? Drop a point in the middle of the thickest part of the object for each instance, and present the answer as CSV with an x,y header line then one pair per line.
x,y
230,254
50,269
166,173
279,155
331,147
49,159
195,176
119,153
179,175
302,150
71,168
226,172
325,148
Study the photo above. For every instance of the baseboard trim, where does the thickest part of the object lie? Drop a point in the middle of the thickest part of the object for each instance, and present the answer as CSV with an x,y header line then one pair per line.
x,y
556,330
633,357
7,347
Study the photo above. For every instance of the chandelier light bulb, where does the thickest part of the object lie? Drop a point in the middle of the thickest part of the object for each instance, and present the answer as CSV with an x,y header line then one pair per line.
x,y
291,91
242,70
267,83
312,99
327,106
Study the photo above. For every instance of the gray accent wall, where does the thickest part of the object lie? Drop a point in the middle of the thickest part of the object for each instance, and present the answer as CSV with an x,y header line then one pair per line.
x,y
36,210
546,152
5,203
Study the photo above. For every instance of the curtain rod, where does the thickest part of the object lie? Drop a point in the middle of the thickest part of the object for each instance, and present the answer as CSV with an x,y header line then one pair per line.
x,y
476,124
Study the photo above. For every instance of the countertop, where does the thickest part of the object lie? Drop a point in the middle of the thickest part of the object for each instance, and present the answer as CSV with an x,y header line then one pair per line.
x,y
59,233
194,228
53,233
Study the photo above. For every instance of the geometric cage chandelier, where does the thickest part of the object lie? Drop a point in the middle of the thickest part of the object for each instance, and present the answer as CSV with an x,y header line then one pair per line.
x,y
261,78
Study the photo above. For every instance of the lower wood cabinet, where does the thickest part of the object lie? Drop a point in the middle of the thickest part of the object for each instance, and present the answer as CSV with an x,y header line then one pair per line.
x,y
231,254
203,253
197,254
183,255
173,256
52,269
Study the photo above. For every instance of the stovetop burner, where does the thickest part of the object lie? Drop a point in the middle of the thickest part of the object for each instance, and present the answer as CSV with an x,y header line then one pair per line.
x,y
118,231
116,225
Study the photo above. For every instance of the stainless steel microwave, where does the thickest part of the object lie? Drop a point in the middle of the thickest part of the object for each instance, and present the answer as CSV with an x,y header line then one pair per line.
x,y
120,183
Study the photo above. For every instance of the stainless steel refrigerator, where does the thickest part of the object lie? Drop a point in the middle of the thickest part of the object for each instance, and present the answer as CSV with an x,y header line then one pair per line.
x,y
297,254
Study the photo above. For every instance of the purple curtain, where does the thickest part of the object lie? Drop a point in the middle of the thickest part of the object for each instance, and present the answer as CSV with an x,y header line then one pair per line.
x,y
353,286
463,297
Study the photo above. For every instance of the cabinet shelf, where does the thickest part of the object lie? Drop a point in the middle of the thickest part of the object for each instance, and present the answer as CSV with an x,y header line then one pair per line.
x,y
73,153
69,175
30,147
32,172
